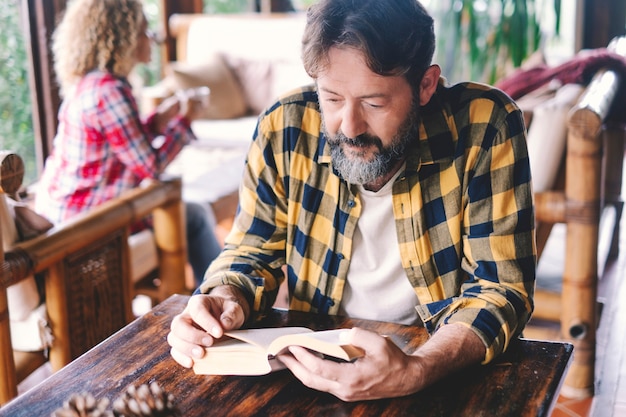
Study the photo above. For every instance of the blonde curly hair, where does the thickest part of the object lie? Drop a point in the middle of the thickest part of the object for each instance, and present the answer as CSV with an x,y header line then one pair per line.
x,y
96,34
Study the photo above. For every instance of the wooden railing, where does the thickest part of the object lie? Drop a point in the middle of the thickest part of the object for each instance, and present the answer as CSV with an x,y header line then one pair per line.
x,y
86,267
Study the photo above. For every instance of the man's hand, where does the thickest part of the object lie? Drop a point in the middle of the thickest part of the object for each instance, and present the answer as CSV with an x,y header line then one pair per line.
x,y
204,319
385,371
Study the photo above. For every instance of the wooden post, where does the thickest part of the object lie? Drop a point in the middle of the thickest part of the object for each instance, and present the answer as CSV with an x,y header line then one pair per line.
x,y
8,389
583,204
171,241
168,8
56,300
11,175
40,18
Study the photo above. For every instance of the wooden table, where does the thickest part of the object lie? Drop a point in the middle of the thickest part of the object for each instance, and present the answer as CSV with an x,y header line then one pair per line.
x,y
523,382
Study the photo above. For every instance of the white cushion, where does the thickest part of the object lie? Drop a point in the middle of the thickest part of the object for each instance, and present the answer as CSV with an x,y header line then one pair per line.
x,y
212,166
23,298
208,173
32,334
227,100
288,75
143,254
230,133
263,80
547,136
7,223
251,36
263,52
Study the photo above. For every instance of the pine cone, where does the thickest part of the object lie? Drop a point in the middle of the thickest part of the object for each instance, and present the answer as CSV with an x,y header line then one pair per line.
x,y
83,405
145,401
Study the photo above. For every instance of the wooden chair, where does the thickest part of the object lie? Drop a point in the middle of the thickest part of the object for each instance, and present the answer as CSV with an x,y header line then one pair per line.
x,y
587,200
85,265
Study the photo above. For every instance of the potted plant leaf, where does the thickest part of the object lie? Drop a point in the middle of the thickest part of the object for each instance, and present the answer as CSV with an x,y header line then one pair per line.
x,y
480,40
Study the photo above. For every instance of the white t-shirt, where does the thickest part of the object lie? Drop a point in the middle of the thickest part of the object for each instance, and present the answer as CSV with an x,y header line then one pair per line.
x,y
377,287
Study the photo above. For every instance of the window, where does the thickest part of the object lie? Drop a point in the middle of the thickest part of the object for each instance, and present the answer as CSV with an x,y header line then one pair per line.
x,y
227,6
149,74
16,123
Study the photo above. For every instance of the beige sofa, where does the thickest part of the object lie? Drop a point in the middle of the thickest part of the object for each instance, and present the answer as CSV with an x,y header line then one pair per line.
x,y
247,60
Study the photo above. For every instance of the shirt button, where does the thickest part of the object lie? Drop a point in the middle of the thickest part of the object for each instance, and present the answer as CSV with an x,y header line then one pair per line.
x,y
351,203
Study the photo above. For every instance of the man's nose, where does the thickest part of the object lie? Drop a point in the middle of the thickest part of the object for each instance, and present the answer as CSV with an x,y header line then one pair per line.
x,y
352,123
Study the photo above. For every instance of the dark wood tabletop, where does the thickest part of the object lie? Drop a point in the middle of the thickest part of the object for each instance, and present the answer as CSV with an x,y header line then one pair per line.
x,y
523,382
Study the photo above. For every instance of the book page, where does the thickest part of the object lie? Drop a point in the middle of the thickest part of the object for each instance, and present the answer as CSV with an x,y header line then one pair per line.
x,y
263,337
253,351
236,361
243,352
328,342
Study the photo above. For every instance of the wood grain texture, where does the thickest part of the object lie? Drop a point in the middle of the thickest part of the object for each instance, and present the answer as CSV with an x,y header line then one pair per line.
x,y
523,382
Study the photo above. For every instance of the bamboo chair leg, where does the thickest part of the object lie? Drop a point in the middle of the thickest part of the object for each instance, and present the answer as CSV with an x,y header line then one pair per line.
x,y
580,279
171,240
580,309
543,230
550,208
8,387
56,301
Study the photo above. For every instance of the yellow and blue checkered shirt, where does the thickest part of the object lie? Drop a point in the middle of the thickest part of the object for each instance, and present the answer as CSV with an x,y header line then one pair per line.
x,y
463,210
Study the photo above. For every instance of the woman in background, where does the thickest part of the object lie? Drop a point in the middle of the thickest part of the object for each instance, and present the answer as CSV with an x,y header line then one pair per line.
x,y
102,146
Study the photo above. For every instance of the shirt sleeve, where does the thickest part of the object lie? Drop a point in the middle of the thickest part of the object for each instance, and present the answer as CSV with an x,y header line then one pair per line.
x,y
130,138
499,252
254,251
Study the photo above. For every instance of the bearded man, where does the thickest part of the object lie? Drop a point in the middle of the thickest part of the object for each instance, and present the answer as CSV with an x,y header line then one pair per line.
x,y
388,195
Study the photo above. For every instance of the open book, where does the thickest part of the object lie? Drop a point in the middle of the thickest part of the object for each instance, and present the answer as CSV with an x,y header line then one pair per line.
x,y
253,351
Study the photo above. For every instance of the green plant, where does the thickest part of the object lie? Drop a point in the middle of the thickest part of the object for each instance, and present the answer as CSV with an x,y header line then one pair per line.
x,y
16,122
480,40
227,6
150,73
303,4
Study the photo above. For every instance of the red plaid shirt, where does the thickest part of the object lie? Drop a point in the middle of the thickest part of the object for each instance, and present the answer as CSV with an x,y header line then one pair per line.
x,y
103,148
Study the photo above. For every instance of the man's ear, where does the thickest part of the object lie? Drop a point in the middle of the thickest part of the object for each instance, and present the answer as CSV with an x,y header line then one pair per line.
x,y
429,82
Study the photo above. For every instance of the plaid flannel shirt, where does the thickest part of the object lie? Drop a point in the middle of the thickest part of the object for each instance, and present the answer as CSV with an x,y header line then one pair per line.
x,y
102,148
463,210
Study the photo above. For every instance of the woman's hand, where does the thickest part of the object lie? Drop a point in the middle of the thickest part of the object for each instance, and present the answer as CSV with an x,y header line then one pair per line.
x,y
194,101
165,111
189,103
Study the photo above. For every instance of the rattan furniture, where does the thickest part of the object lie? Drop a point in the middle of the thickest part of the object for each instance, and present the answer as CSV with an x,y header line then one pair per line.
x,y
586,198
85,264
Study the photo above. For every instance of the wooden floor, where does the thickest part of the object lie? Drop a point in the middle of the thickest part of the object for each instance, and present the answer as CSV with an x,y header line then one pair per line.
x,y
610,398
610,386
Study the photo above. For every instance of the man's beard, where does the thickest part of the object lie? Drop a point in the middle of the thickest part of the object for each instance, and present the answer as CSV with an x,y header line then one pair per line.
x,y
356,170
